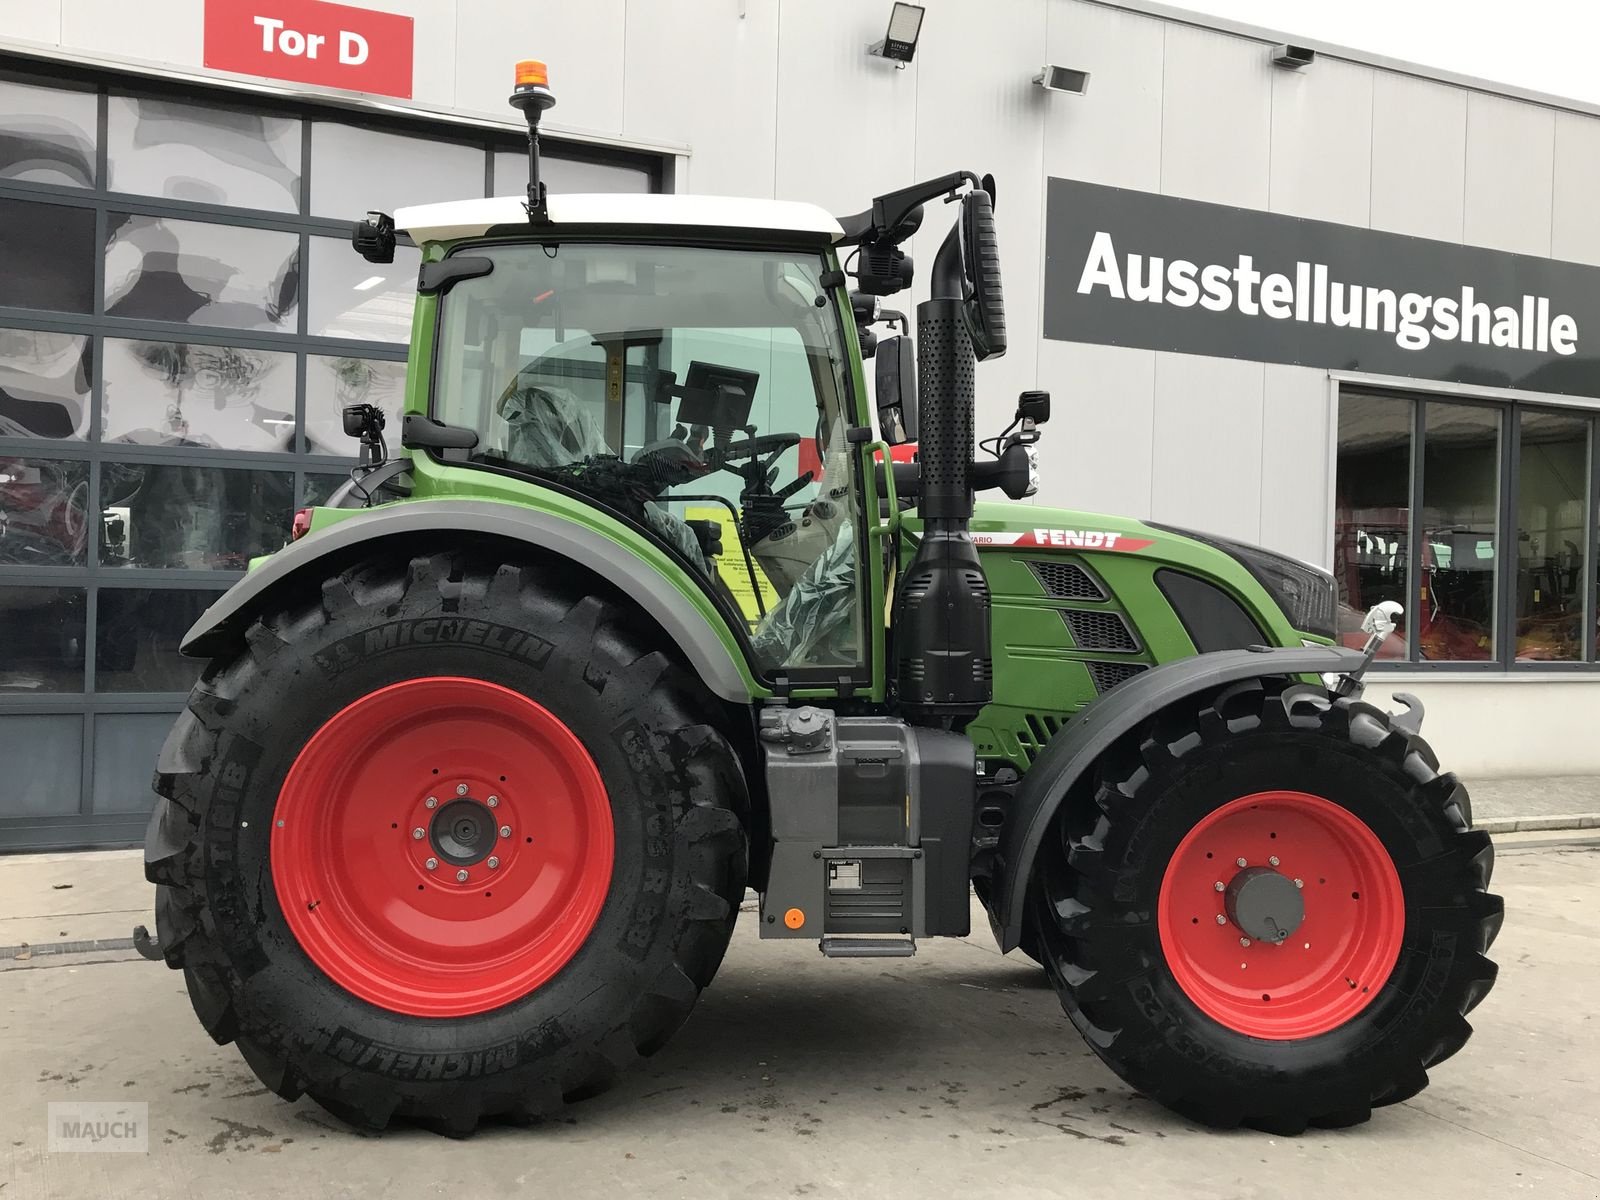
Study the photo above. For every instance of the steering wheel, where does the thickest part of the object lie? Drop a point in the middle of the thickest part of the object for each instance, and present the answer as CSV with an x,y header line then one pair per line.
x,y
678,460
764,446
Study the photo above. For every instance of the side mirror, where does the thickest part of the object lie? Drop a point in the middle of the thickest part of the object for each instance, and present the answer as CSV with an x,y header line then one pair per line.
x,y
374,238
980,266
896,386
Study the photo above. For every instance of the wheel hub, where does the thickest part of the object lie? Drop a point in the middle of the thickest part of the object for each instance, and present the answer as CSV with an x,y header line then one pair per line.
x,y
463,832
1264,904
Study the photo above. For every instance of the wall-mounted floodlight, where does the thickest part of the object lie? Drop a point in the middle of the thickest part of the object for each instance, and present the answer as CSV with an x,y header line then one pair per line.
x,y
899,44
1063,79
1292,58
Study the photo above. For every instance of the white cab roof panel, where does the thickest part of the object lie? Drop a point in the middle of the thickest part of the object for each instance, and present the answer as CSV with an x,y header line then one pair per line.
x,y
471,218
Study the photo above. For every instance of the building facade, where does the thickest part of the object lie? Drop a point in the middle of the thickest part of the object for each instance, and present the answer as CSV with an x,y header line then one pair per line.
x,y
1342,310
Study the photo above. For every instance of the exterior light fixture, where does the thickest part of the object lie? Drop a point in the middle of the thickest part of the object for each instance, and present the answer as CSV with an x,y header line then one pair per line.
x,y
1292,58
1063,79
899,44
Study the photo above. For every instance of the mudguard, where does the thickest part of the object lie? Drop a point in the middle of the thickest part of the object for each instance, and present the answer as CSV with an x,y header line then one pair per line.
x,y
1074,751
338,545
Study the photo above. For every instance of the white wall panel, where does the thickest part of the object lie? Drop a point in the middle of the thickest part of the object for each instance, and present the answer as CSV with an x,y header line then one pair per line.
x,y
581,43
1419,155
1500,728
991,123
438,31
1510,159
125,30
1322,142
1112,135
1206,458
1295,462
1575,213
729,121
1096,449
846,121
32,20
1216,131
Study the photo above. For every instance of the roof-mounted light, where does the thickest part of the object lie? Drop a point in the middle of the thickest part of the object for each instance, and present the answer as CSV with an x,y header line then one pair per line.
x,y
532,95
531,73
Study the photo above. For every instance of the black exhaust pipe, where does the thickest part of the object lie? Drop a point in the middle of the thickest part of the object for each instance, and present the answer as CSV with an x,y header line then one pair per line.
x,y
944,669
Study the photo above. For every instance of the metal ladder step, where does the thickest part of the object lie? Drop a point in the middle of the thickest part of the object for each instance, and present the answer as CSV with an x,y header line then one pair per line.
x,y
867,947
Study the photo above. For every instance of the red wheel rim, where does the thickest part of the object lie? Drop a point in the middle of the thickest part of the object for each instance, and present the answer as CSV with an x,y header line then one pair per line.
x,y
1335,960
484,775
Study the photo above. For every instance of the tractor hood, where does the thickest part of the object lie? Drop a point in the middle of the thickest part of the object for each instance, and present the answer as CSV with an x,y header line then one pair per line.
x,y
1290,600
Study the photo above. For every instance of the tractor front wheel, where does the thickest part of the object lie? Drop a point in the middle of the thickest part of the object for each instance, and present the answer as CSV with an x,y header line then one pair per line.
x,y
449,842
1271,910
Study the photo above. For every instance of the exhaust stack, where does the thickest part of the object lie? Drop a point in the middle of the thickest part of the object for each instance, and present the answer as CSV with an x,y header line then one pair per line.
x,y
944,669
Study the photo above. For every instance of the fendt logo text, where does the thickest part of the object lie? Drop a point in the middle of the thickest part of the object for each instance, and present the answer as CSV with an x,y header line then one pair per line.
x,y
1080,539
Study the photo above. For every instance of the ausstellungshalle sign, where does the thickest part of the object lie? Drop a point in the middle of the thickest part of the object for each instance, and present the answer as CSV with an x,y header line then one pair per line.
x,y
1126,268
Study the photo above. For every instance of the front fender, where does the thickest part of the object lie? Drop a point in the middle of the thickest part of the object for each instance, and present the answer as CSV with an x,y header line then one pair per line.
x,y
707,647
1071,755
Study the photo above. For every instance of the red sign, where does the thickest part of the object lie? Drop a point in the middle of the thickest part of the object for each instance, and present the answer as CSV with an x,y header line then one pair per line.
x,y
308,41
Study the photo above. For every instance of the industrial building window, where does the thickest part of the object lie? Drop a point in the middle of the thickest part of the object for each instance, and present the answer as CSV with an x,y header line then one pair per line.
x,y
1479,517
181,320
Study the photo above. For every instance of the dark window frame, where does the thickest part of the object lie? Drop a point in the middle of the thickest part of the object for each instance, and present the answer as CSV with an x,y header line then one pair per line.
x,y
87,827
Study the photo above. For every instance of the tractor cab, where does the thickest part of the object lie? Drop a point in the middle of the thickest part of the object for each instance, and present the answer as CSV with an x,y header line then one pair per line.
x,y
684,366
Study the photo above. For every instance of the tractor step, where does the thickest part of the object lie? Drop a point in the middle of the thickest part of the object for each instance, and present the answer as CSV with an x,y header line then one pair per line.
x,y
867,947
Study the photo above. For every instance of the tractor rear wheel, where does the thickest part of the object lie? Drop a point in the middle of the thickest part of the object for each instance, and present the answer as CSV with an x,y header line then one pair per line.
x,y
1271,911
449,843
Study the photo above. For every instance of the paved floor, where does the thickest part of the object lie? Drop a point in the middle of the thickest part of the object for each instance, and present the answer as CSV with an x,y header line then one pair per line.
x,y
953,1073
1535,803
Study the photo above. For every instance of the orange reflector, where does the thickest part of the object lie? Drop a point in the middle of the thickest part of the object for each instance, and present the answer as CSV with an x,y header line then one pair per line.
x,y
794,918
532,73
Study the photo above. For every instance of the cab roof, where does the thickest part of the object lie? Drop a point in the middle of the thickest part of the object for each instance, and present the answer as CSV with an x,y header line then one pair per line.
x,y
473,218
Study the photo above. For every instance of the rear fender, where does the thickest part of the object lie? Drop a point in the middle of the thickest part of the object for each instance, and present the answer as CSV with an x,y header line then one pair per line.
x,y
683,617
1072,754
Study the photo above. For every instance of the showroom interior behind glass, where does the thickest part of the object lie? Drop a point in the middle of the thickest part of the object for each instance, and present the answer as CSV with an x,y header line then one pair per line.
x,y
181,320
1487,535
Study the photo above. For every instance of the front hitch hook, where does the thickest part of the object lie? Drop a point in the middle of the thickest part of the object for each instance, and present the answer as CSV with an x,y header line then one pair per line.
x,y
1378,624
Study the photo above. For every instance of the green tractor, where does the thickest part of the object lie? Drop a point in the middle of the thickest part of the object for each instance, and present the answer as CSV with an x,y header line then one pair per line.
x,y
461,813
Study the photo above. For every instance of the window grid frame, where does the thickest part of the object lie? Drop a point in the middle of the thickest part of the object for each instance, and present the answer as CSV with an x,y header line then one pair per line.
x,y
93,576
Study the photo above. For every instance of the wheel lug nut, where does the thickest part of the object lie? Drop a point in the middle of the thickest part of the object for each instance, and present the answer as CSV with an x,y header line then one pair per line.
x,y
493,862
417,834
432,864
461,789
1221,920
431,802
1273,860
1217,886
1299,883
505,831
493,801
461,876
1239,862
1244,941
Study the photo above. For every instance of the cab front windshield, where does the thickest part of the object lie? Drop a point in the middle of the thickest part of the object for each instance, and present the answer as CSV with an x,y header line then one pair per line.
x,y
700,394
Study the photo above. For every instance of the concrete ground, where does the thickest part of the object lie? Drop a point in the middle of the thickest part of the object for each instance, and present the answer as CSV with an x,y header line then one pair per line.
x,y
1551,802
952,1073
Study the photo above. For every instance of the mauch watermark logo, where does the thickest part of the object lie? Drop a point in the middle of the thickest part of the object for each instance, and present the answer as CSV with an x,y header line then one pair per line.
x,y
98,1127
